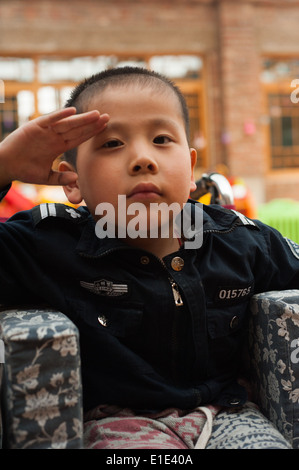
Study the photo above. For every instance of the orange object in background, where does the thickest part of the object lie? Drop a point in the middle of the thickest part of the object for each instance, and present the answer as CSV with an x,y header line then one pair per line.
x,y
15,201
243,198
229,192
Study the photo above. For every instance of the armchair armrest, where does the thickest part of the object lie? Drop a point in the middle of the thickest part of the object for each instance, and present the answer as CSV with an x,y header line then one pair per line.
x,y
274,358
41,383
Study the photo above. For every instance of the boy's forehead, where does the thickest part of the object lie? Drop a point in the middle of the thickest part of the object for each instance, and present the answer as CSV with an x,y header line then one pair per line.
x,y
131,90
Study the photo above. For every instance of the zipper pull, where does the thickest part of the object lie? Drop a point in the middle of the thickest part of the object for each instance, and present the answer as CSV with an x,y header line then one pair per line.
x,y
176,294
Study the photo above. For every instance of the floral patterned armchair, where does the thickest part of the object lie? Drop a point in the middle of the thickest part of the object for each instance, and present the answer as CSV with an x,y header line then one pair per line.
x,y
41,383
274,359
41,391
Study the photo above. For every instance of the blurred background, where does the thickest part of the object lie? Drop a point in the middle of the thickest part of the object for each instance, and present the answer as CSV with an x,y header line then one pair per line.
x,y
237,62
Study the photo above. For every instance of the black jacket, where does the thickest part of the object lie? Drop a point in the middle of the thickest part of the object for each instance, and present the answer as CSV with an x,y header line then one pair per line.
x,y
143,344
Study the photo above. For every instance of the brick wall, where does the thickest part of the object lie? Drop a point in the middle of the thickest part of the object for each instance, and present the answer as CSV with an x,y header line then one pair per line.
x,y
240,88
101,25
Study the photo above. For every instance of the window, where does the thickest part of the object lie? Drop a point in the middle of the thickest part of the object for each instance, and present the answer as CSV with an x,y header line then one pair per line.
x,y
284,129
283,113
276,70
8,116
41,85
16,69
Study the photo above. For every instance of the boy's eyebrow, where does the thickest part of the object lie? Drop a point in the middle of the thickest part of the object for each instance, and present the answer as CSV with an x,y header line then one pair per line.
x,y
154,122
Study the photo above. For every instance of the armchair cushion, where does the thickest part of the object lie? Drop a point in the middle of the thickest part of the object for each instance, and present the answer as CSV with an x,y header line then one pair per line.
x,y
41,383
274,357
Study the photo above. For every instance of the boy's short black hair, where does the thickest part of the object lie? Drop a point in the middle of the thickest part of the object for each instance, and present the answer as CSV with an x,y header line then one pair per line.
x,y
85,91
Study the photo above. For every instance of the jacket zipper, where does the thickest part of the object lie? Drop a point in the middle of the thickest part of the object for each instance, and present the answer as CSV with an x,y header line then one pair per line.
x,y
174,287
176,293
178,301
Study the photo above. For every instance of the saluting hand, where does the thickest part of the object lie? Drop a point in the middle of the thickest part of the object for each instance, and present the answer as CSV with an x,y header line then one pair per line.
x,y
28,153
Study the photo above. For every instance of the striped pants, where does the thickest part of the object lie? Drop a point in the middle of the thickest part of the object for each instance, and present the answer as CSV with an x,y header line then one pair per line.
x,y
206,427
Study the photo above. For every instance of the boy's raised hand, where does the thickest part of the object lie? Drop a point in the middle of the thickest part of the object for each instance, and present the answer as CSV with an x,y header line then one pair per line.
x,y
28,153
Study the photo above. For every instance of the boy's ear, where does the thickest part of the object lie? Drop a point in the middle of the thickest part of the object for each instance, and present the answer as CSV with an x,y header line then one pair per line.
x,y
71,190
193,156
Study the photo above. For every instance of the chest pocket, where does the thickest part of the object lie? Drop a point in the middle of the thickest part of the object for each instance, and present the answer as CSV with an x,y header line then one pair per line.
x,y
227,320
122,320
227,309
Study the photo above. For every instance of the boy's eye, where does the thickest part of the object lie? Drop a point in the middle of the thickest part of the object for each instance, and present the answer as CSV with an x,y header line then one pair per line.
x,y
112,143
161,139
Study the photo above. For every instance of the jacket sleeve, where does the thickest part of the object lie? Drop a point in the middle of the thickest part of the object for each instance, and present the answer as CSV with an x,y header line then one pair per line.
x,y
279,269
18,267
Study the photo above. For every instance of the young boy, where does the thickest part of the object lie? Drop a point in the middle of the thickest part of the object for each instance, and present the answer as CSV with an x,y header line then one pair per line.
x,y
160,335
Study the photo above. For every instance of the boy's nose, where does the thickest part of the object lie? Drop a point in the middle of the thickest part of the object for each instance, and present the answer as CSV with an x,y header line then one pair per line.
x,y
143,164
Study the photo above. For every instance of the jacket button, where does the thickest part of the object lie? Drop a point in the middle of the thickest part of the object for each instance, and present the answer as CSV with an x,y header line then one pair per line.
x,y
102,320
144,260
235,401
234,322
177,263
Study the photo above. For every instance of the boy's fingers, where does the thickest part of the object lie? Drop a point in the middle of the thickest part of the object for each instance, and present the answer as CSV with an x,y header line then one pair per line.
x,y
63,120
76,136
78,121
52,118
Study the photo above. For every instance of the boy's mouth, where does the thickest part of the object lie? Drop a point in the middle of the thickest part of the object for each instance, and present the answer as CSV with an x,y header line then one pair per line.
x,y
144,191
